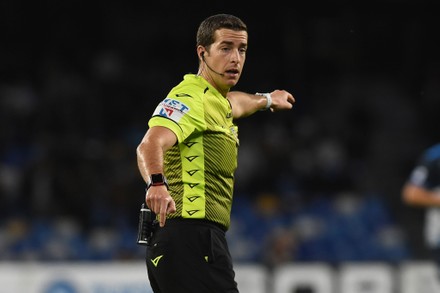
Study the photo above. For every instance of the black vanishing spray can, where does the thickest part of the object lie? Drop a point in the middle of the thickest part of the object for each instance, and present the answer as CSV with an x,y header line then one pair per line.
x,y
147,225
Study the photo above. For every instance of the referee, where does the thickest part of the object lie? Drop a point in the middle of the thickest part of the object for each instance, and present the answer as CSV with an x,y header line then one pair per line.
x,y
188,157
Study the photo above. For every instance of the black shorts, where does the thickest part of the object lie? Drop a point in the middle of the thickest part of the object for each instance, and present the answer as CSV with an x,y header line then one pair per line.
x,y
190,256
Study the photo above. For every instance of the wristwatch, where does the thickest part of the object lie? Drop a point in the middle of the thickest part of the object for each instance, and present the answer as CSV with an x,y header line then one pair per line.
x,y
156,180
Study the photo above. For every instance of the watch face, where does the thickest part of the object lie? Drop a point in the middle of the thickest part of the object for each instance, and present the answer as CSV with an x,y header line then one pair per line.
x,y
157,178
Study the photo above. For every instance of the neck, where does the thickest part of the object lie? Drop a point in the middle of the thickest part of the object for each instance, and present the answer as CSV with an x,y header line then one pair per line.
x,y
206,75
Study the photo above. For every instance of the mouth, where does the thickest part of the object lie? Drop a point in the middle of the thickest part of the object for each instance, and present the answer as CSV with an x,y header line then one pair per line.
x,y
232,72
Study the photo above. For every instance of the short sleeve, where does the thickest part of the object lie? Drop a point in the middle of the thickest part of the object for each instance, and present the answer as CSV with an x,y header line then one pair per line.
x,y
183,115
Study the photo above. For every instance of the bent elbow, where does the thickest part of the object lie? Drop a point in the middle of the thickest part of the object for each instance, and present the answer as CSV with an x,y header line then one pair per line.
x,y
139,150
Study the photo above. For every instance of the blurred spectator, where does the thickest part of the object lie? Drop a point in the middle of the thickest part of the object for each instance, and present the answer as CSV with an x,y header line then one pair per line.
x,y
422,189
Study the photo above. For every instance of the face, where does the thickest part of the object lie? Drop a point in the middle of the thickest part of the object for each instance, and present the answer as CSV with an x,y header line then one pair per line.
x,y
223,64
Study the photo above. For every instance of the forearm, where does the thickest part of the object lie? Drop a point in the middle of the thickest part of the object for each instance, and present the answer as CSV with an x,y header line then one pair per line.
x,y
417,196
151,150
245,104
149,159
150,155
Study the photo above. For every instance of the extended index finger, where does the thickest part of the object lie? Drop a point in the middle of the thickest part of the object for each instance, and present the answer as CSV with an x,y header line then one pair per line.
x,y
163,212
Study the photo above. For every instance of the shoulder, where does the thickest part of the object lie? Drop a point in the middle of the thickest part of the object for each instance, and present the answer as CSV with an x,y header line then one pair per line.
x,y
185,94
432,153
190,87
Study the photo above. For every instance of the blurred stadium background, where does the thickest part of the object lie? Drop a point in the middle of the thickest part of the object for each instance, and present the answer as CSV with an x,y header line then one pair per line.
x,y
319,184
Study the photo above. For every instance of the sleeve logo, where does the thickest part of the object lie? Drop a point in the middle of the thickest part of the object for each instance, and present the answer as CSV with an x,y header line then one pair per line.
x,y
171,109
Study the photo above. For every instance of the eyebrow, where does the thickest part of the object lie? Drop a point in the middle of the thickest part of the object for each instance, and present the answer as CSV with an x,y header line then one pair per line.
x,y
232,43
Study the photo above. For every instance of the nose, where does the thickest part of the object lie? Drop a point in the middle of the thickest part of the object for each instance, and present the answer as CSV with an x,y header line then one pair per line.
x,y
235,56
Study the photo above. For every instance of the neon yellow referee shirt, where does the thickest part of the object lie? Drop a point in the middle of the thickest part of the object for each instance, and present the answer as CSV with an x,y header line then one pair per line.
x,y
200,167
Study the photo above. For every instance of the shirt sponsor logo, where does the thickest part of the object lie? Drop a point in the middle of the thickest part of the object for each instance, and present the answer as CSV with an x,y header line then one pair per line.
x,y
171,109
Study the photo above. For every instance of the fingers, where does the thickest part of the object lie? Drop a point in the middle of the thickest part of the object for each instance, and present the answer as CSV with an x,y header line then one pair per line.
x,y
290,99
163,211
168,207
171,207
161,204
149,202
163,214
282,100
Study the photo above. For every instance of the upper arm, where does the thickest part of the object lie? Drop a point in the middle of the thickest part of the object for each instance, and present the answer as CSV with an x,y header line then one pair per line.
x,y
160,136
235,106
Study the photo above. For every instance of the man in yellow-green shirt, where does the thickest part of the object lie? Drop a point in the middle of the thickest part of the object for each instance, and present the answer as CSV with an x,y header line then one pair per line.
x,y
188,158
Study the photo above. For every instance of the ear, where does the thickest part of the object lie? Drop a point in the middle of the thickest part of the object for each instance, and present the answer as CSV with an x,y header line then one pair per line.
x,y
201,52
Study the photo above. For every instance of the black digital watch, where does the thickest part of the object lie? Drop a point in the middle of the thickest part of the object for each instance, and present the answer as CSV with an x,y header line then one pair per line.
x,y
156,180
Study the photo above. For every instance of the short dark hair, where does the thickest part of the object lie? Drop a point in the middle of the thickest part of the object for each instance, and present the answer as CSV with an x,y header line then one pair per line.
x,y
205,33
